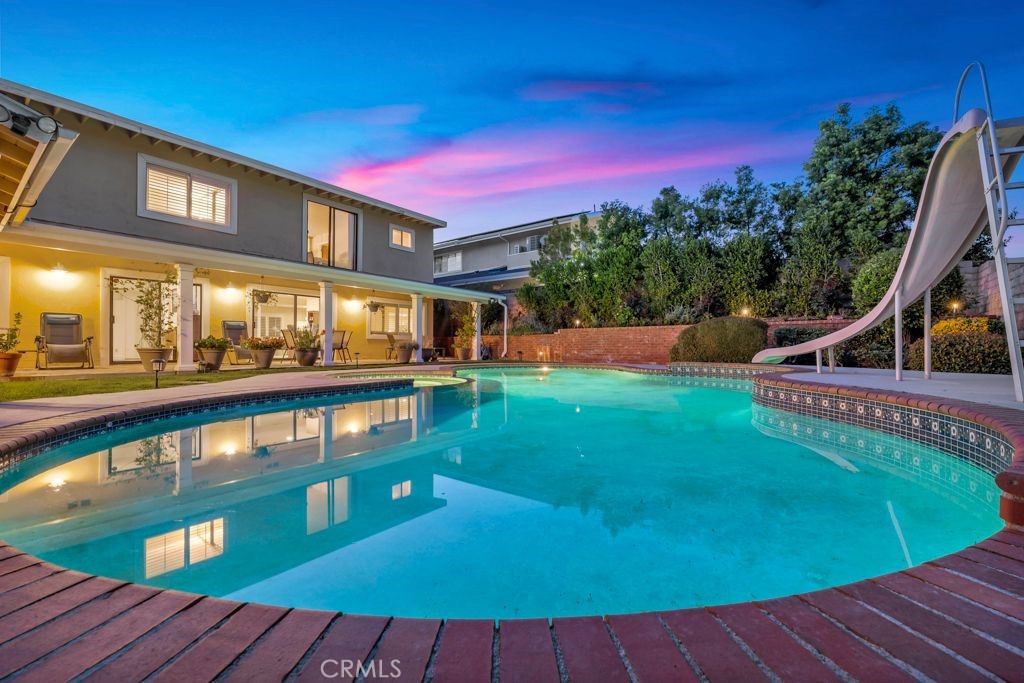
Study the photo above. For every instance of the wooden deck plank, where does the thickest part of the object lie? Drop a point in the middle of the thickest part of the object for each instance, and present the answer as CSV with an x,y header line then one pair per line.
x,y
848,653
25,575
892,638
20,652
968,645
1001,602
994,624
215,652
465,652
1011,551
37,590
1000,562
13,564
787,658
53,606
1010,536
525,652
7,551
588,652
714,651
980,572
276,655
150,653
117,633
652,654
405,648
351,639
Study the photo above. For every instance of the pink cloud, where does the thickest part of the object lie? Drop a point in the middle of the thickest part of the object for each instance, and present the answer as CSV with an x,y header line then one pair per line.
x,y
497,162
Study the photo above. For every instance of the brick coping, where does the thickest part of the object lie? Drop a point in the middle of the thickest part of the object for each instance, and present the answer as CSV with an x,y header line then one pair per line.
x,y
923,622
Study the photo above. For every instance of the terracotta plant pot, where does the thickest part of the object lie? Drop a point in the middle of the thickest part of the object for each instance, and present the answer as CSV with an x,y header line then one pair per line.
x,y
9,363
306,357
461,353
214,357
147,356
262,358
403,353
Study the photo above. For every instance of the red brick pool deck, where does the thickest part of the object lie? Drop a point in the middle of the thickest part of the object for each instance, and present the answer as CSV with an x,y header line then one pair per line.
x,y
957,618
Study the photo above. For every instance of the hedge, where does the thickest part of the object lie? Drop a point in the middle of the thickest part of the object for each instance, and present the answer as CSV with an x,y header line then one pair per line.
x,y
975,352
721,340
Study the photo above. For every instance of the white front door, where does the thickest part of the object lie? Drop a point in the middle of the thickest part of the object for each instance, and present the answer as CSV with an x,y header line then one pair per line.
x,y
125,328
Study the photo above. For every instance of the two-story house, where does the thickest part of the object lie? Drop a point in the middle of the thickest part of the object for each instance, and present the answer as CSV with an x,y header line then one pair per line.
x,y
497,260
92,199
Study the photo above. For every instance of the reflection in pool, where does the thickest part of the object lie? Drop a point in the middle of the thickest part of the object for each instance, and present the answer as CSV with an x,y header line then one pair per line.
x,y
523,493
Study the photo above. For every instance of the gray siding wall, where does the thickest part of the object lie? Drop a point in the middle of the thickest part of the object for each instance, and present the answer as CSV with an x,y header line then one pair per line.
x,y
96,187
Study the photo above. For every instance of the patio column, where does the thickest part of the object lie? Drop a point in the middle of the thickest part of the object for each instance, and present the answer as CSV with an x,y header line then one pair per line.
x,y
928,334
417,326
185,312
327,321
183,466
476,334
326,434
504,329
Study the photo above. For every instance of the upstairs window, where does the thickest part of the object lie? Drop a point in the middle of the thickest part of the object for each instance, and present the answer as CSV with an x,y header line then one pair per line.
x,y
448,263
331,234
403,238
171,192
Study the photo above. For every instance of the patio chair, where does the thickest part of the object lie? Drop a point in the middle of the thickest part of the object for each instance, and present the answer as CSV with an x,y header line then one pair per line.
x,y
60,341
340,341
236,331
289,343
390,350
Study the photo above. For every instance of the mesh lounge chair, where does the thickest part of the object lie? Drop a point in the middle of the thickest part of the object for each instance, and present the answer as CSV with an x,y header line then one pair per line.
x,y
60,341
390,350
340,340
289,343
236,331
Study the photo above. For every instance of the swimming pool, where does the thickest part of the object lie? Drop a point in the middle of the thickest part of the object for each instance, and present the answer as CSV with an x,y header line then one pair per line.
x,y
523,493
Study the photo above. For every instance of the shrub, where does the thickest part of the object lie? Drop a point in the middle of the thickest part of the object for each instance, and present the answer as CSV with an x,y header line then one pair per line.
x,y
721,340
793,335
9,338
872,349
306,339
212,342
964,324
979,352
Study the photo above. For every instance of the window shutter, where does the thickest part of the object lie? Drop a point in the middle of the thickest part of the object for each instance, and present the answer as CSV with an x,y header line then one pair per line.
x,y
166,191
209,201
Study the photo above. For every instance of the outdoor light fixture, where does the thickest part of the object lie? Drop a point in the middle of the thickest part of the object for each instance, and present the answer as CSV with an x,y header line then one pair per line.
x,y
5,114
20,123
56,484
955,306
745,312
158,366
59,269
47,124
576,322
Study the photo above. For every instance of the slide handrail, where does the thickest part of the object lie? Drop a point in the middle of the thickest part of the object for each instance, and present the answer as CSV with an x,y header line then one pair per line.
x,y
984,90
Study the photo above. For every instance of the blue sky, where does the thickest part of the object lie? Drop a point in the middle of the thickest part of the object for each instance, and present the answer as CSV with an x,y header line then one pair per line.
x,y
493,113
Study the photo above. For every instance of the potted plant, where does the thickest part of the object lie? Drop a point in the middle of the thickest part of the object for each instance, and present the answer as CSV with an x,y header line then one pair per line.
x,y
212,350
263,349
404,349
465,335
9,354
307,349
157,302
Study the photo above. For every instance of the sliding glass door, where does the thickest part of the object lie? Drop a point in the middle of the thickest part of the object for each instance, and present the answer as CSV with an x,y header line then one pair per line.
x,y
285,311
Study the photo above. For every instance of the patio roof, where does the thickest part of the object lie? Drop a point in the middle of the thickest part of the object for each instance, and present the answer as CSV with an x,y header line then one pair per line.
x,y
75,238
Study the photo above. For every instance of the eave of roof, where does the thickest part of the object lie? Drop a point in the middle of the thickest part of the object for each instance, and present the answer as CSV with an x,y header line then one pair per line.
x,y
511,230
83,111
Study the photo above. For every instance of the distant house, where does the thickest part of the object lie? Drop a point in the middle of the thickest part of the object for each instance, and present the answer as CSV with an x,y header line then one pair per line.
x,y
496,260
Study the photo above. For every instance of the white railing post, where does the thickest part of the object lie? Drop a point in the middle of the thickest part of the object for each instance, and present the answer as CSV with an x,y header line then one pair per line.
x,y
928,334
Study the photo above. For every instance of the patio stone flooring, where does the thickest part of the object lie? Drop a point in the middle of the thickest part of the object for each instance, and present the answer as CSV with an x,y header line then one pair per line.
x,y
957,618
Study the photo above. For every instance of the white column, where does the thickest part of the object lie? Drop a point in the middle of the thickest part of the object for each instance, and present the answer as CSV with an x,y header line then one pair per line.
x,y
817,360
928,334
476,335
326,434
327,321
899,335
185,308
504,330
417,326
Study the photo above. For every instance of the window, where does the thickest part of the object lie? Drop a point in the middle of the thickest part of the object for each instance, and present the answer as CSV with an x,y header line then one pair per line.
x,y
330,235
448,263
403,238
390,319
167,552
285,311
533,243
169,191
402,490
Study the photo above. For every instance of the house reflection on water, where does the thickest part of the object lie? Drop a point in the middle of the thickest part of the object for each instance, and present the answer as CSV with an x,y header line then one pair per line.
x,y
204,500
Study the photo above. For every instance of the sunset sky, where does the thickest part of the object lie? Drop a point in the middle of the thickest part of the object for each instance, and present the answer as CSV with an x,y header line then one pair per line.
x,y
488,114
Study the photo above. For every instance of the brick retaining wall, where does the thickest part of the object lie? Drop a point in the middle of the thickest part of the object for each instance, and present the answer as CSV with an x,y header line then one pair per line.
x,y
617,344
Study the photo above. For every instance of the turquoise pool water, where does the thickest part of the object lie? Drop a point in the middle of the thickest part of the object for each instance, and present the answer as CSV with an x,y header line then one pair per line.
x,y
524,493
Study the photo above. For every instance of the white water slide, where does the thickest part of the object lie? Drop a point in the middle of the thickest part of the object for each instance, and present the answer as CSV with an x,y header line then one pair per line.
x,y
965,191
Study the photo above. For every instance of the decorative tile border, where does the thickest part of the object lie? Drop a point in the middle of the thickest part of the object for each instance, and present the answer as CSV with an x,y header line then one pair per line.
x,y
734,370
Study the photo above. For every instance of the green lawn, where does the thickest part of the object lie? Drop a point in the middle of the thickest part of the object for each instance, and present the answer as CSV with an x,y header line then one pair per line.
x,y
48,387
